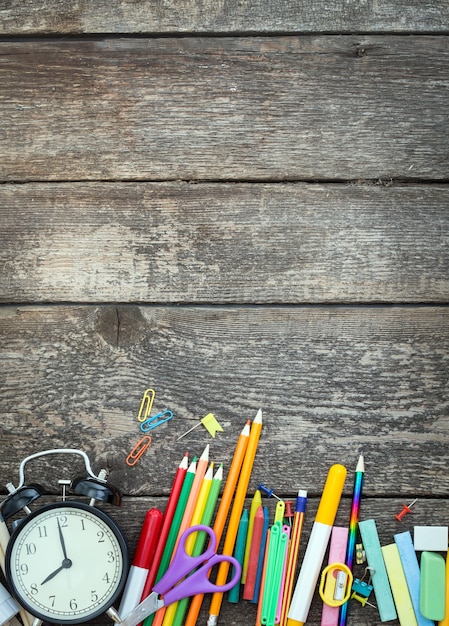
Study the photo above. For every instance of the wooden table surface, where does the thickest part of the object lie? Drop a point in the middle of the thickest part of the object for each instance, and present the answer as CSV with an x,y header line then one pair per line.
x,y
239,205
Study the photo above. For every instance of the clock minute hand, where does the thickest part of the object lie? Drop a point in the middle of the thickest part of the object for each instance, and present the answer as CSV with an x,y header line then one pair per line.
x,y
61,538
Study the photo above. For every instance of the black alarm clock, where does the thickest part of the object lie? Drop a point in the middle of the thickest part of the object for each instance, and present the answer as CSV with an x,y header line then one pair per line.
x,y
66,562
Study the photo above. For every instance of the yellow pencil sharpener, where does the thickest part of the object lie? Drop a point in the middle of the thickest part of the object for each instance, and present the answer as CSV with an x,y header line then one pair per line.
x,y
336,584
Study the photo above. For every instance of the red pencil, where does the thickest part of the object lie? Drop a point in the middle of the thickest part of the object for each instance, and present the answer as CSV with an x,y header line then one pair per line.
x,y
166,523
248,590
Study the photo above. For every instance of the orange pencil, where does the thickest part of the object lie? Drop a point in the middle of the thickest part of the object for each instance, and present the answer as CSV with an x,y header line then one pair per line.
x,y
223,510
234,519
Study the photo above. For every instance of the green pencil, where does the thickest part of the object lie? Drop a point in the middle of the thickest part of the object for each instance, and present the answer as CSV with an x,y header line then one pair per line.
x,y
176,523
198,546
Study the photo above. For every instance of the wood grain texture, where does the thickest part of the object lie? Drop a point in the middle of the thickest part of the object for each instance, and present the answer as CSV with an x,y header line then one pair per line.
x,y
217,243
25,17
287,108
331,381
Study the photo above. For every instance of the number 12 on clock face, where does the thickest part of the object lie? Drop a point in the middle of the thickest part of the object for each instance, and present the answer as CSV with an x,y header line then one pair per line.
x,y
67,562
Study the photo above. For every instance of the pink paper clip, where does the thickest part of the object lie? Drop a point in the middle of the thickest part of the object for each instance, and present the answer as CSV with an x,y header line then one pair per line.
x,y
138,450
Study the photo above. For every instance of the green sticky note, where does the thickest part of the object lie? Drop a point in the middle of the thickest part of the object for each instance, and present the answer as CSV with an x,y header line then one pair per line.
x,y
433,586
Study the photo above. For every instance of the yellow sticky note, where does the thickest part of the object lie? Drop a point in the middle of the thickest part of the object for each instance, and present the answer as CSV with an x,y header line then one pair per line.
x,y
211,424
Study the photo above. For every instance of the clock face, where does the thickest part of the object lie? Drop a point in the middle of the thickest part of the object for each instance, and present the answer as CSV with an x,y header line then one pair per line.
x,y
67,562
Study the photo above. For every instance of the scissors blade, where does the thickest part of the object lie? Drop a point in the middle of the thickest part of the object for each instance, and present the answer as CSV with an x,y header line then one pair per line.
x,y
150,605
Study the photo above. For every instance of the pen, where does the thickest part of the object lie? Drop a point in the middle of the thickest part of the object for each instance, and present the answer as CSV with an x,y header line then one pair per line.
x,y
138,571
316,547
298,522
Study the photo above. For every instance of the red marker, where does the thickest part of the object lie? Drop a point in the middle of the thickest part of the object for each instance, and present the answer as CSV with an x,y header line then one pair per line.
x,y
138,571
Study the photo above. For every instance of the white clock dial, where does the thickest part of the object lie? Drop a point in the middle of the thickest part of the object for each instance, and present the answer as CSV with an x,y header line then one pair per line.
x,y
67,562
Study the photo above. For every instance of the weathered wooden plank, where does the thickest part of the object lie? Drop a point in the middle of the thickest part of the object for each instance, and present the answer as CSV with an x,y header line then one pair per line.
x,y
172,16
331,381
285,108
243,243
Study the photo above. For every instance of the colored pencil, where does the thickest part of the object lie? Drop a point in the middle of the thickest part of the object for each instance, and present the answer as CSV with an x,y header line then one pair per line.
x,y
253,560
200,506
223,510
353,525
295,542
236,512
166,523
195,518
239,553
174,528
255,504
257,584
201,537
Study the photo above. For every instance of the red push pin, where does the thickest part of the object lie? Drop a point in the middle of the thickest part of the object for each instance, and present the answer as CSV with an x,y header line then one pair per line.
x,y
406,509
289,514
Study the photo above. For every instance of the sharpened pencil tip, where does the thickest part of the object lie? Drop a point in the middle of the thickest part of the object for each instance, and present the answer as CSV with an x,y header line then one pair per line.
x,y
360,464
205,455
258,417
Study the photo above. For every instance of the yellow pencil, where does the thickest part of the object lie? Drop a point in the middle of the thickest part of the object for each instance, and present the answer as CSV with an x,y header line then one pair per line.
x,y
223,510
236,512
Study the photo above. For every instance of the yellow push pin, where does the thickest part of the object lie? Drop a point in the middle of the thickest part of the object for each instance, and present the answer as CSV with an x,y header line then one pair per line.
x,y
210,424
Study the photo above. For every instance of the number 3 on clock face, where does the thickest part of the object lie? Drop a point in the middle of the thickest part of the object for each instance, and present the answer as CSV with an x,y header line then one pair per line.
x,y
67,562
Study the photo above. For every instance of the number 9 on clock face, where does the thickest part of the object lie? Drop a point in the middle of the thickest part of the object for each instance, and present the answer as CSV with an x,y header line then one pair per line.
x,y
67,562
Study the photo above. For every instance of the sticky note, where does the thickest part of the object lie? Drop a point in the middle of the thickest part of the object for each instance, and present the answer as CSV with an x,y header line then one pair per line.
x,y
410,565
430,538
433,586
398,583
374,556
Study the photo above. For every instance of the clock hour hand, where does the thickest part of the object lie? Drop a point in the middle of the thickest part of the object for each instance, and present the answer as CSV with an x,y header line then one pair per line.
x,y
65,565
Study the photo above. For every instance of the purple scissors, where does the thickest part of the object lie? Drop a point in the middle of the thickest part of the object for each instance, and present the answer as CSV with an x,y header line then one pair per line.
x,y
186,576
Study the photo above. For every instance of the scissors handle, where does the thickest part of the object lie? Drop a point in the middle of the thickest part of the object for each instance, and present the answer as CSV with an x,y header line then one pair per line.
x,y
199,583
183,564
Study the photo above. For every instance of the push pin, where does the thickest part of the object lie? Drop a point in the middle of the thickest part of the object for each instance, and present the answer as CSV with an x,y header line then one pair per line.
x,y
289,514
405,509
268,492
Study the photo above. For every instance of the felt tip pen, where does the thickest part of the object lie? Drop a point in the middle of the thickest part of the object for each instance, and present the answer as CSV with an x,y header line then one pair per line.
x,y
138,571
317,545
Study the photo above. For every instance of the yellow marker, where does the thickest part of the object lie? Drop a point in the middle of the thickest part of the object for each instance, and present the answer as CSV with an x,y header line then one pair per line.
x,y
317,545
255,504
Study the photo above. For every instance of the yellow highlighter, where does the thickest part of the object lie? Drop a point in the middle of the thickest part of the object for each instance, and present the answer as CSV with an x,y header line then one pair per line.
x,y
317,545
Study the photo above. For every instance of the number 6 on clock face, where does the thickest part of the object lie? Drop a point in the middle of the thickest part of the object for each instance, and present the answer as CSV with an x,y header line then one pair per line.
x,y
67,562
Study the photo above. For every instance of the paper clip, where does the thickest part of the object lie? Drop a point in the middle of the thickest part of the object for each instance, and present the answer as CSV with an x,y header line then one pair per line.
x,y
156,420
146,404
138,450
